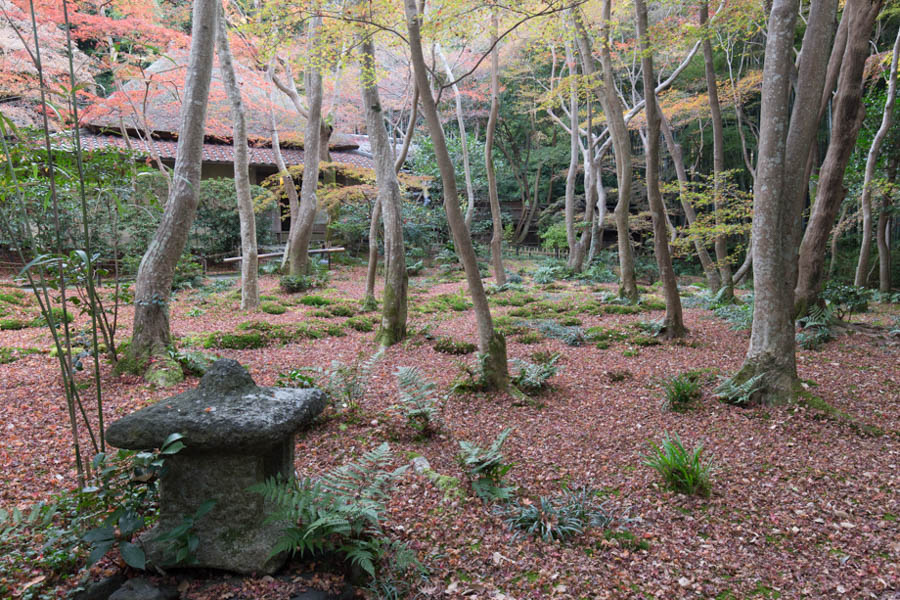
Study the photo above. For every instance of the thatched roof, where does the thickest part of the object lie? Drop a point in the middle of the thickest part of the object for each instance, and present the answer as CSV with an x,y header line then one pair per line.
x,y
153,103
214,153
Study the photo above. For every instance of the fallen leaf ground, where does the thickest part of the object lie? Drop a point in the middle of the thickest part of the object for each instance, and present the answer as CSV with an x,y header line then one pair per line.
x,y
804,504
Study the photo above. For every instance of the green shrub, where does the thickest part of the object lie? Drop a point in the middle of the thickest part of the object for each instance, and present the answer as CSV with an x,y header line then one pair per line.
x,y
234,341
653,304
817,328
485,468
555,518
364,324
345,384
845,299
292,284
571,336
342,310
58,314
530,337
256,325
314,300
681,391
739,394
739,316
193,362
605,334
508,326
683,471
12,324
570,321
272,308
448,345
14,297
533,377
644,341
417,399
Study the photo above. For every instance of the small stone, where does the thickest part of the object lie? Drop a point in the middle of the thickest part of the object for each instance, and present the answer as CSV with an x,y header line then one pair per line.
x,y
141,589
420,465
684,582
102,589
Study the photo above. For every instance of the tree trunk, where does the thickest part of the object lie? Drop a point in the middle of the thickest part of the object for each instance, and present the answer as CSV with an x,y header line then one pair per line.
x,y
712,274
784,142
301,234
410,130
249,252
576,252
491,344
835,236
599,216
287,181
721,246
464,140
496,219
673,325
612,108
862,267
394,308
153,288
848,116
369,301
883,233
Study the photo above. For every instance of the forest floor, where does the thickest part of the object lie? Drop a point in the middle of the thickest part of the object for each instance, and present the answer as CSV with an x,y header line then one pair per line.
x,y
805,498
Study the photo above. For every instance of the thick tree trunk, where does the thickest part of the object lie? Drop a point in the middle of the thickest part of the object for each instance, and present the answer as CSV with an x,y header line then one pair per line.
x,y
721,246
848,116
463,140
302,232
862,267
394,308
491,344
673,325
785,139
153,288
612,108
249,252
496,219
709,268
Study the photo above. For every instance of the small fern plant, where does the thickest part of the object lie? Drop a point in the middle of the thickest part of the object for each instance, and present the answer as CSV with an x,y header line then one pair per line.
x,y
345,384
533,377
739,394
485,468
340,511
418,401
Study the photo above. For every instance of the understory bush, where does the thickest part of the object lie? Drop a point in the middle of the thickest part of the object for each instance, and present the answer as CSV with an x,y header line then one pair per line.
x,y
272,308
448,345
343,383
816,328
559,517
485,468
533,377
571,336
739,394
844,299
682,470
343,512
681,391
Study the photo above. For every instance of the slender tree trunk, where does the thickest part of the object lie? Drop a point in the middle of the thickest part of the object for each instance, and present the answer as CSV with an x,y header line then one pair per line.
x,y
249,252
491,344
848,116
784,142
673,325
612,108
709,268
394,308
576,253
301,234
369,301
287,182
835,236
410,130
467,170
599,216
883,232
496,219
721,245
862,267
153,288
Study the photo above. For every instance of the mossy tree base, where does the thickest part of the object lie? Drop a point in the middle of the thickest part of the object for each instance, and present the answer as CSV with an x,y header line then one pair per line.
x,y
494,367
776,381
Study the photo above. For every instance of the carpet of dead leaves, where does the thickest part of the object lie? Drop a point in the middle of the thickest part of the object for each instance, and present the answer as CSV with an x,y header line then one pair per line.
x,y
803,505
